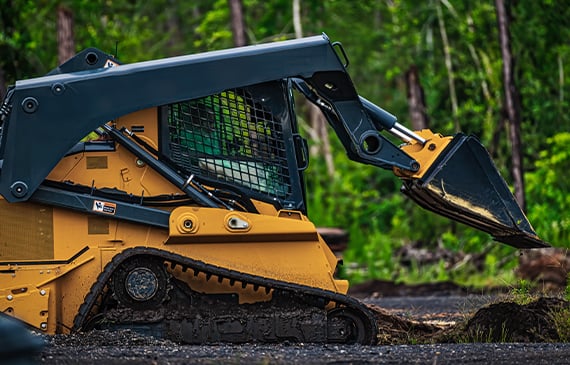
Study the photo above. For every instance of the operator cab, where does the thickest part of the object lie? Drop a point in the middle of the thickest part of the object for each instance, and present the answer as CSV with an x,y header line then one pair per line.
x,y
239,139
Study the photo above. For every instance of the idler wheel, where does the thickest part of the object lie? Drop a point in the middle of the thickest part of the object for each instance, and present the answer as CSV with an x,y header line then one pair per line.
x,y
346,325
141,283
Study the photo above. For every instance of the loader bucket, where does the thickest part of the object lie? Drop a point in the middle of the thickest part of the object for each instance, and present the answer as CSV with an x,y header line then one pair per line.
x,y
464,185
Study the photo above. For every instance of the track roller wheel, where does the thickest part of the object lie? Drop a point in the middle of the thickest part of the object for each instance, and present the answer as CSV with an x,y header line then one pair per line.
x,y
347,325
141,282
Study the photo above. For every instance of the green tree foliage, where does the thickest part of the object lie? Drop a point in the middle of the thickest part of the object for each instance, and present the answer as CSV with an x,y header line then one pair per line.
x,y
23,50
543,70
548,189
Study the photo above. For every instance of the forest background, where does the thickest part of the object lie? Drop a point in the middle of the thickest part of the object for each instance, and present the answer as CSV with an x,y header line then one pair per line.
x,y
497,69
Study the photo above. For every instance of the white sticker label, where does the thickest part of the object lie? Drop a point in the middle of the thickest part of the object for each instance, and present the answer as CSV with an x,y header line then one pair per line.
x,y
104,207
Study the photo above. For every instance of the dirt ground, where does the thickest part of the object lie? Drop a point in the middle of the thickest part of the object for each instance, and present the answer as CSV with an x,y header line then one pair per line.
x,y
438,324
431,329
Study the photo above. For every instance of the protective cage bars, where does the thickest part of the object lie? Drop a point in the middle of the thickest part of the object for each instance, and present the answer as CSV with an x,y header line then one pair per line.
x,y
231,138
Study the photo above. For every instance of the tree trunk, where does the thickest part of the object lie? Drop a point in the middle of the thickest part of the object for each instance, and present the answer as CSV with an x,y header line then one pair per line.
x,y
176,38
297,25
238,23
511,101
317,121
65,40
320,127
448,66
416,100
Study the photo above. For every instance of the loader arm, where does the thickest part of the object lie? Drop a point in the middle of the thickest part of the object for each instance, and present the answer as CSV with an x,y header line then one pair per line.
x,y
43,118
53,112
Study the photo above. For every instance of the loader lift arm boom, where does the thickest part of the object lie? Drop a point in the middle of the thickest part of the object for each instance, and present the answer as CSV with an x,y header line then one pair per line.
x,y
451,176
64,107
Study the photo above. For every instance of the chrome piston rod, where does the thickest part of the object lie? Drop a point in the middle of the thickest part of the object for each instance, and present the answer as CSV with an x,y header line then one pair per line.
x,y
406,134
389,122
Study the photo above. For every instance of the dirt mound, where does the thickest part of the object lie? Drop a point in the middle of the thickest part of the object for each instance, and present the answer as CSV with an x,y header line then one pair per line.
x,y
543,320
512,322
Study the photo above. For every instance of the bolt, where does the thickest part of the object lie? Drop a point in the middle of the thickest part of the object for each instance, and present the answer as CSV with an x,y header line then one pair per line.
x,y
188,224
42,292
431,146
43,326
10,297
139,162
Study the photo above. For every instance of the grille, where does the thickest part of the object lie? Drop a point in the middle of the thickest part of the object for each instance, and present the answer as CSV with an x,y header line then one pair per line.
x,y
26,231
229,137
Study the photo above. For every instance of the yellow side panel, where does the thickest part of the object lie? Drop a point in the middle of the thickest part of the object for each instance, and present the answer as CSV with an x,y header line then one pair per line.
x,y
287,249
26,231
147,118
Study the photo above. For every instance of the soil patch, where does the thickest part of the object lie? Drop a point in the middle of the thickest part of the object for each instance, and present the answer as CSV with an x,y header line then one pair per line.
x,y
542,320
512,322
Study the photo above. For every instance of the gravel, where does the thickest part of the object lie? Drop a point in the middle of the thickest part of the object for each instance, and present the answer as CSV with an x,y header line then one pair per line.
x,y
477,353
128,347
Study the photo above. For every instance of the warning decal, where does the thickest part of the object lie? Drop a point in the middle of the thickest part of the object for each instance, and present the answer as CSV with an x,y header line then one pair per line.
x,y
104,207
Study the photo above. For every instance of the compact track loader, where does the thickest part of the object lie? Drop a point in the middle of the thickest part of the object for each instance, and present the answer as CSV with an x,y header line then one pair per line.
x,y
168,196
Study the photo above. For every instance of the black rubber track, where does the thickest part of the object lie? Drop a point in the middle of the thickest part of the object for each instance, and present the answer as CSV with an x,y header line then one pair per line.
x,y
341,300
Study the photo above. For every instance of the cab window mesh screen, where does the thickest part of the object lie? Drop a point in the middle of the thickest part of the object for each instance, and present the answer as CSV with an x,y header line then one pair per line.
x,y
231,138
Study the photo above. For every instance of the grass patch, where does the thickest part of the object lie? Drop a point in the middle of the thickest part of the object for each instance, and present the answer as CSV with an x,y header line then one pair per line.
x,y
561,320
